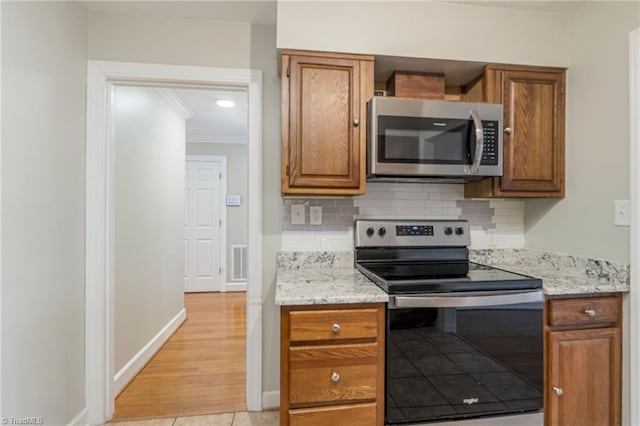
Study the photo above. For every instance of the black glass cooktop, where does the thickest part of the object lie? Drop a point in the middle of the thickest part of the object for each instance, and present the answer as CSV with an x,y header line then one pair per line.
x,y
422,277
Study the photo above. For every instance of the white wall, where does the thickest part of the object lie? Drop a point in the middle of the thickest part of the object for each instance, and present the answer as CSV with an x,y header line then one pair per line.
x,y
237,184
425,29
223,44
166,40
149,217
597,138
44,52
264,56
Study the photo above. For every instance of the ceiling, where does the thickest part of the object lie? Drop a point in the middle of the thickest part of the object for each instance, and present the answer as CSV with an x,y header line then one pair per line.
x,y
261,12
559,6
206,122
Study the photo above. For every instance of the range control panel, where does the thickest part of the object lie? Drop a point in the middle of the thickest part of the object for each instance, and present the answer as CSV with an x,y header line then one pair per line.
x,y
402,230
490,153
411,233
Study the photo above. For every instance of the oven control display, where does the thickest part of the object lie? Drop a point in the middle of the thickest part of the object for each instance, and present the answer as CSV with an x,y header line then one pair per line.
x,y
402,230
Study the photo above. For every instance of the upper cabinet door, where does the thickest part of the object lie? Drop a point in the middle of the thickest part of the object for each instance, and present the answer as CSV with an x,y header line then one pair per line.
x,y
534,110
324,105
534,131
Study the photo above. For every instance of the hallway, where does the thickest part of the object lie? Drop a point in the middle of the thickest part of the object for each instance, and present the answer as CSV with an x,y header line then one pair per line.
x,y
200,370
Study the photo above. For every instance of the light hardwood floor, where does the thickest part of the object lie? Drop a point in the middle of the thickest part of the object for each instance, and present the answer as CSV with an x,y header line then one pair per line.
x,y
265,418
200,370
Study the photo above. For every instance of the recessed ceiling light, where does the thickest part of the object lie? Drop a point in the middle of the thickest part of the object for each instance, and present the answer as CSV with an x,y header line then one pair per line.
x,y
225,103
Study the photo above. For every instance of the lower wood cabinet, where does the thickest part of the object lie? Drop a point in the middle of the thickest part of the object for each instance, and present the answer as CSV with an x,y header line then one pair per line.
x,y
583,358
332,365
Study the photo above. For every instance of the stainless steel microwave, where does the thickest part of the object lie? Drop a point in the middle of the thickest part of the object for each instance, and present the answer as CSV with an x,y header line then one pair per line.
x,y
422,140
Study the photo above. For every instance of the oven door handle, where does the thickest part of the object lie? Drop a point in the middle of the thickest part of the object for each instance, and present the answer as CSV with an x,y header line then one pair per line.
x,y
447,300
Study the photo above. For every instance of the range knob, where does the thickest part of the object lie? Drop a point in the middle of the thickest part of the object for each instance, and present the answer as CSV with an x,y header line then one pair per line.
x,y
370,232
448,230
459,230
382,231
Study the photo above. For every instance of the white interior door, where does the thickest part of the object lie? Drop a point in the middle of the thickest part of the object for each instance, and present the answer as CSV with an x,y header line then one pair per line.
x,y
203,251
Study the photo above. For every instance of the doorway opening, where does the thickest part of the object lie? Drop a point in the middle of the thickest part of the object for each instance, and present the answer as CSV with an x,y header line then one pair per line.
x,y
104,380
170,251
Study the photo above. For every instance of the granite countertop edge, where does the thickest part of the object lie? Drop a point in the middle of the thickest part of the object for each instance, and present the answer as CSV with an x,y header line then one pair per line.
x,y
325,278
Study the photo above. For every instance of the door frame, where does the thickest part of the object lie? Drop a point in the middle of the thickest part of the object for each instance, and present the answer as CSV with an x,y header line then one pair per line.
x,y
223,210
634,227
99,285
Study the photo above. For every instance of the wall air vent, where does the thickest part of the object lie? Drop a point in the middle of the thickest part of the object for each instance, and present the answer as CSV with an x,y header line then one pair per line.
x,y
239,262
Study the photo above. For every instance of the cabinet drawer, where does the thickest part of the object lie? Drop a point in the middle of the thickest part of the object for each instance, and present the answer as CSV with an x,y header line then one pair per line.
x,y
332,373
333,324
584,311
352,415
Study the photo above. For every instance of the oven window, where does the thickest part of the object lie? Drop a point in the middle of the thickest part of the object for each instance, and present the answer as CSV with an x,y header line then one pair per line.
x,y
424,140
448,363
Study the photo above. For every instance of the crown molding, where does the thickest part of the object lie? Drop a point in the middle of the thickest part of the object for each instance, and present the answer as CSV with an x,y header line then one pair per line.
x,y
175,101
211,138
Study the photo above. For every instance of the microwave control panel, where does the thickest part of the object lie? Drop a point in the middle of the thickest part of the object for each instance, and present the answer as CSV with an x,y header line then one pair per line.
x,y
490,152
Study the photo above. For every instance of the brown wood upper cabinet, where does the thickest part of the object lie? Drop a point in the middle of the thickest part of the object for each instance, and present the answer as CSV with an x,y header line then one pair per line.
x,y
534,144
324,98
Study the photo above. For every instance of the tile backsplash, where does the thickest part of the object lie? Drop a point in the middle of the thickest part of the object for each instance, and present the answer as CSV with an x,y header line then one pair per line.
x,y
493,223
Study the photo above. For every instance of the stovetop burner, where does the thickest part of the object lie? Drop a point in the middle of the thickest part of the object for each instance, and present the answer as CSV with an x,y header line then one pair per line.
x,y
407,257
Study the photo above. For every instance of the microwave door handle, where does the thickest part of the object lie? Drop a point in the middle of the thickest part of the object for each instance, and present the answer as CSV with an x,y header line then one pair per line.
x,y
477,158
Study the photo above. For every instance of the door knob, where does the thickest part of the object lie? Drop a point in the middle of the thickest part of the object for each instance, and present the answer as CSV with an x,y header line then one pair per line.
x,y
590,312
335,328
356,122
508,130
558,391
335,377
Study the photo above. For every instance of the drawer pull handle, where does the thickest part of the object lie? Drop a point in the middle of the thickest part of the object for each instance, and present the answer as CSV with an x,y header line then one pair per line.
x,y
335,328
335,377
558,391
590,312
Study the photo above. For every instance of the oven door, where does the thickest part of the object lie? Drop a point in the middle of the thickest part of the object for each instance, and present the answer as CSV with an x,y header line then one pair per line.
x,y
461,355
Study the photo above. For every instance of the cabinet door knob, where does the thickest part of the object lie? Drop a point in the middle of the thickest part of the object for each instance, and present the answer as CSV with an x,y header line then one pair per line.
x,y
335,327
335,377
356,122
590,312
558,391
508,130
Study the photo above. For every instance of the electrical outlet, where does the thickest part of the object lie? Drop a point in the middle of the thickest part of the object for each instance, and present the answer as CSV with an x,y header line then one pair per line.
x,y
492,237
621,213
297,214
315,215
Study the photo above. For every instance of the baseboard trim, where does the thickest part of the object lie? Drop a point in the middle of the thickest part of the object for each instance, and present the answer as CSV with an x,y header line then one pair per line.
x,y
80,419
270,400
233,286
139,360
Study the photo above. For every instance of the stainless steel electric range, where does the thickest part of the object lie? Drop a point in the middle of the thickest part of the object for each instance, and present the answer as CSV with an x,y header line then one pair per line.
x,y
463,340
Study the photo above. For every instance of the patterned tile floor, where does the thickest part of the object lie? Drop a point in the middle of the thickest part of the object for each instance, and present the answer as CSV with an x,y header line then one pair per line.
x,y
264,418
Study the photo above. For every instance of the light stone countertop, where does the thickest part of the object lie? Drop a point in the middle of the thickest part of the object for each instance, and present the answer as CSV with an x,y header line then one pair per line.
x,y
323,286
309,278
561,274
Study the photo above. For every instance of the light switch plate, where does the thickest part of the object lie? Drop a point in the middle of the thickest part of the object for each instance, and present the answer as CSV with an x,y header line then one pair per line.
x,y
297,214
315,215
233,200
621,213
